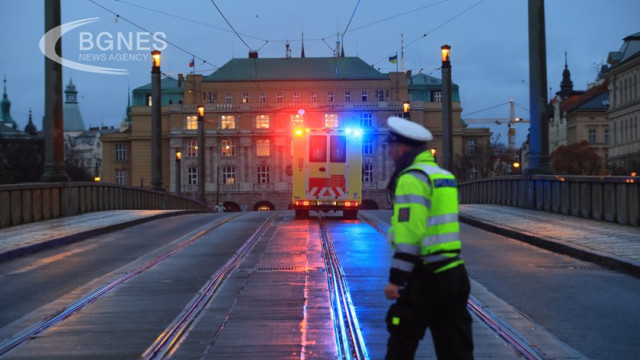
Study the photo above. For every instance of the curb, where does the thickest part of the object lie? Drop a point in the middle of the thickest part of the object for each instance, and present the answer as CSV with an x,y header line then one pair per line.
x,y
83,235
608,260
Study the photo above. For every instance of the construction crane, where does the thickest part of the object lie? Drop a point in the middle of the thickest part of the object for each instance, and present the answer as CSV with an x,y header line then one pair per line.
x,y
499,121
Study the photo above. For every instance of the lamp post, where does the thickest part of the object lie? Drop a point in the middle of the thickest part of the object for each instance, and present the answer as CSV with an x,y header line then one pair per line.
x,y
156,123
201,151
406,106
433,153
447,122
178,171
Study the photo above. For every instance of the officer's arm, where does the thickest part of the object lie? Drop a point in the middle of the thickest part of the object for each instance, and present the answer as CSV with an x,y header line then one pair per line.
x,y
411,207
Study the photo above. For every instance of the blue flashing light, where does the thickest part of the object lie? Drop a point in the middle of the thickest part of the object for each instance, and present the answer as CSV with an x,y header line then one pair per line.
x,y
348,131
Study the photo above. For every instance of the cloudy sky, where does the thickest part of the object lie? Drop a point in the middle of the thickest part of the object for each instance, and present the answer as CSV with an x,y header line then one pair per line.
x,y
488,38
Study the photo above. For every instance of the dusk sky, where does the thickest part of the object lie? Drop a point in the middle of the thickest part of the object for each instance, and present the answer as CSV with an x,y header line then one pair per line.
x,y
488,38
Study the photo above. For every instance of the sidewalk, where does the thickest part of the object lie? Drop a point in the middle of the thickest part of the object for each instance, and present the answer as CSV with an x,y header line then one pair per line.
x,y
608,244
23,239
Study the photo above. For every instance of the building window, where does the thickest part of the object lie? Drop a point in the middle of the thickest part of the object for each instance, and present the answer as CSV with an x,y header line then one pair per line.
x,y
213,96
592,136
228,147
192,176
192,148
296,97
149,101
314,96
330,96
380,95
228,122
367,172
263,97
121,177
262,122
279,97
366,120
263,174
471,146
192,122
436,96
228,175
364,95
228,98
297,121
245,98
121,152
347,96
331,120
606,136
367,145
472,173
262,147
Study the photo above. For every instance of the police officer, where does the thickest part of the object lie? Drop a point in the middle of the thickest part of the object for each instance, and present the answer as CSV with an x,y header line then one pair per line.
x,y
428,279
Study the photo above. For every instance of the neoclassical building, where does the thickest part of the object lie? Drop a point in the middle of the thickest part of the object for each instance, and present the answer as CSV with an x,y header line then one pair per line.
x,y
624,105
251,106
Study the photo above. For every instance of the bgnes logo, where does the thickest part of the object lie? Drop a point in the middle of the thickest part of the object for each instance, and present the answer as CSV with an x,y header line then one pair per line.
x,y
104,47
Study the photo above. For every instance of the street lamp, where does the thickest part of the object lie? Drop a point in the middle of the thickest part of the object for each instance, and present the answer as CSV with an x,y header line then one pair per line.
x,y
156,122
447,121
406,106
178,170
201,150
433,153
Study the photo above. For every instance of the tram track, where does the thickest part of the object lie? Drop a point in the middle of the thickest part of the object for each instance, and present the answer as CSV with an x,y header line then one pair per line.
x,y
349,340
504,331
69,310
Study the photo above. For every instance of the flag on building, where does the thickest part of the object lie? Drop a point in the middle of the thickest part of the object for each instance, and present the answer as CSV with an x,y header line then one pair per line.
x,y
192,62
393,59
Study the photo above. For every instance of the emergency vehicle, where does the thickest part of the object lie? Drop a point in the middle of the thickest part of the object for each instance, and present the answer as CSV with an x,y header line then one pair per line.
x,y
327,171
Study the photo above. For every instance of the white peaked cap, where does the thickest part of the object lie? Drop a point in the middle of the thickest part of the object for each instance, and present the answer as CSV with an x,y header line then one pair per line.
x,y
408,129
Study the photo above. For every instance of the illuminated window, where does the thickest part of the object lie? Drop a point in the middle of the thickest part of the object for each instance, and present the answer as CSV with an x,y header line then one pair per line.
x,y
330,96
592,136
192,148
121,152
263,97
192,176
192,122
314,96
297,121
228,122
436,96
367,172
364,95
228,147
262,122
228,175
347,96
149,101
296,97
366,120
367,145
228,98
279,97
263,174
262,147
330,120
121,177
245,98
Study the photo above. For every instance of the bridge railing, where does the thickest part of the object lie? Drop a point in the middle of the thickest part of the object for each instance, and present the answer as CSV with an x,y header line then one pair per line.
x,y
30,202
610,198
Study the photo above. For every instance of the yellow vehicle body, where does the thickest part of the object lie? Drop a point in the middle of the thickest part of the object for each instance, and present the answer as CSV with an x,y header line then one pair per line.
x,y
327,171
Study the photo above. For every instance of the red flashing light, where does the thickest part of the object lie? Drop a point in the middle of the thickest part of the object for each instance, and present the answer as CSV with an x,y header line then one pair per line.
x,y
305,203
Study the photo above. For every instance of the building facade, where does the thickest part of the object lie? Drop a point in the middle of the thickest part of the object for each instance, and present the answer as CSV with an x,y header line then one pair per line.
x,y
624,106
251,107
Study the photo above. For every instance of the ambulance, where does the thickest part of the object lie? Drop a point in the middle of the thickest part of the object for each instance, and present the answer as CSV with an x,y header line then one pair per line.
x,y
327,171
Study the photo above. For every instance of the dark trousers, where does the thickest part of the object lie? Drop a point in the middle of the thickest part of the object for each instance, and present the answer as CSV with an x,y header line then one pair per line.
x,y
438,302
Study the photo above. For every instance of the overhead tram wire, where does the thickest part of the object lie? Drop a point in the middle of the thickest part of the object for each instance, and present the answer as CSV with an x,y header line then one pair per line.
x,y
231,26
204,61
489,108
352,14
397,15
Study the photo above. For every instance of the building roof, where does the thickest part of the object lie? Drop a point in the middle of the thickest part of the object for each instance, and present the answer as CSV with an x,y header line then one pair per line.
x,y
630,47
596,98
166,83
319,68
71,112
421,86
7,132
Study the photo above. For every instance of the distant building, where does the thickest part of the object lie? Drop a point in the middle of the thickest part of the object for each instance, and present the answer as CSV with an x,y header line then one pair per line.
x,y
564,99
251,106
624,106
7,120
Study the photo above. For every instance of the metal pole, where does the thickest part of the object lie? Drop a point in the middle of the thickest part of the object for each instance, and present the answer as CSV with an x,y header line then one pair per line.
x,y
53,118
218,187
178,176
156,128
447,123
201,154
539,160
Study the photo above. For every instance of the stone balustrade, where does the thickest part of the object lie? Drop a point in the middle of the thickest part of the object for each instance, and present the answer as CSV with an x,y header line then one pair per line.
x,y
610,198
31,202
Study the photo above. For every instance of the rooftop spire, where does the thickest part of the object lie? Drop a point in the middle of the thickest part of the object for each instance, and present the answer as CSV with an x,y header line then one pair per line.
x,y
302,52
6,107
566,86
30,128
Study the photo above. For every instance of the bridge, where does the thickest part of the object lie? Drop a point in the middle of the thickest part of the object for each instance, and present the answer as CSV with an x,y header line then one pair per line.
x,y
105,271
